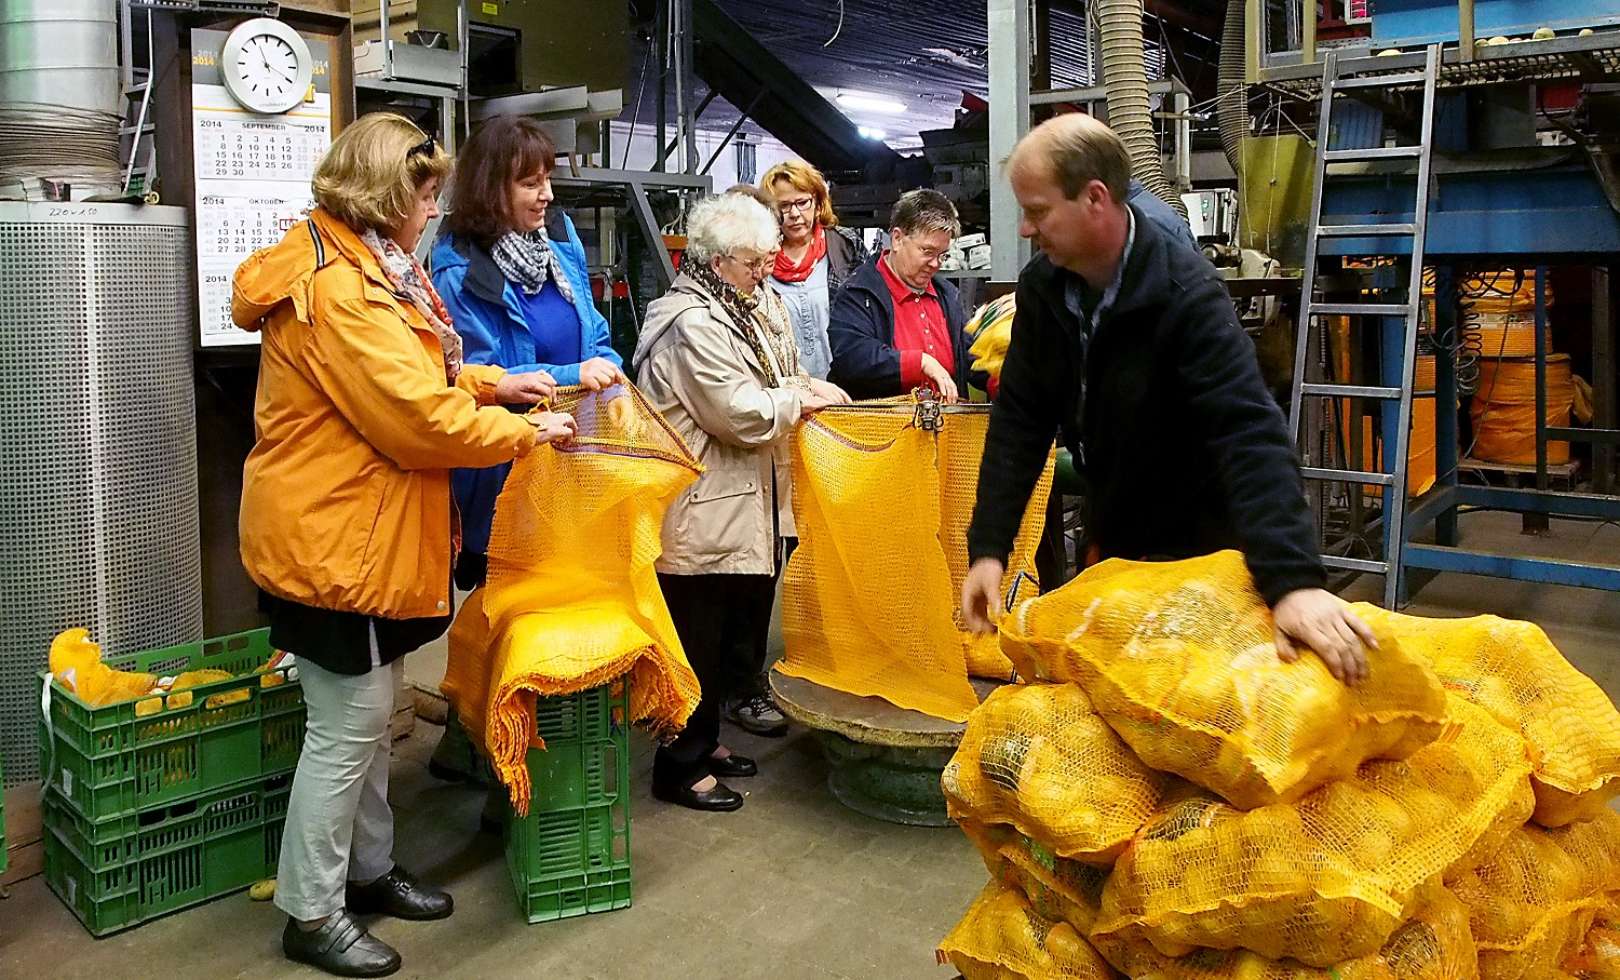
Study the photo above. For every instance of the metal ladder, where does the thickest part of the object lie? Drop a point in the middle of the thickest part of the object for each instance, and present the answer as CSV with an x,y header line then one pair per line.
x,y
1392,474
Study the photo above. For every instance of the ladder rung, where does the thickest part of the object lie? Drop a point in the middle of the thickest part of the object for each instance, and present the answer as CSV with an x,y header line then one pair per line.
x,y
1373,153
1348,476
1360,309
1350,391
1355,231
1379,81
1355,564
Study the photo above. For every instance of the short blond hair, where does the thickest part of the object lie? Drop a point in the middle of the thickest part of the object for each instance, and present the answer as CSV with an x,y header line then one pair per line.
x,y
1077,149
802,176
370,175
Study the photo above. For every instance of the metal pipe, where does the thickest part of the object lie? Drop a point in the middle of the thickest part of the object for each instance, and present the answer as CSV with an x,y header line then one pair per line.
x,y
1307,32
1541,377
1232,104
1465,30
661,41
732,131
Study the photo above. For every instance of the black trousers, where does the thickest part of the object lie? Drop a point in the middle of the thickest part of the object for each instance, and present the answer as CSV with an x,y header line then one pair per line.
x,y
721,620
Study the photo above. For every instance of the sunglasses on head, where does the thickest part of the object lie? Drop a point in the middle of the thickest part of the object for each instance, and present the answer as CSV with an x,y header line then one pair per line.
x,y
424,148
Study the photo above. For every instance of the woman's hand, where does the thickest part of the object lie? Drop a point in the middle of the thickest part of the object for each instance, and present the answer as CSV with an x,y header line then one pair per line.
x,y
599,372
530,388
552,427
940,379
833,394
811,403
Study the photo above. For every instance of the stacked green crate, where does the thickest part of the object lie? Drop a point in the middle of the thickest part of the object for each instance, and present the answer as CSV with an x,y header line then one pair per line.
x,y
167,801
571,855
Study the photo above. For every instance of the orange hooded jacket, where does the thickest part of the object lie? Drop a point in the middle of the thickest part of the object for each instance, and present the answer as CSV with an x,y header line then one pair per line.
x,y
346,494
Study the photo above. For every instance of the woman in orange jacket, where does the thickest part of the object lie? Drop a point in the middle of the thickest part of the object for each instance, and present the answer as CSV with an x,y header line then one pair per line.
x,y
364,406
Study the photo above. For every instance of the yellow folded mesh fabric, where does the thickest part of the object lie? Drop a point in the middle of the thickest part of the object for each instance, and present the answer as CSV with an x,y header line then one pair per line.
x,y
1599,955
1511,669
1532,906
1434,944
1180,658
1328,878
572,599
75,663
870,600
1039,758
1002,938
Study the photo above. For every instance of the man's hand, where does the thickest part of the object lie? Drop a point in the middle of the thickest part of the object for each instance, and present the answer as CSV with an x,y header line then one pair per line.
x,y
981,591
531,388
1320,620
833,394
940,378
552,427
810,403
599,372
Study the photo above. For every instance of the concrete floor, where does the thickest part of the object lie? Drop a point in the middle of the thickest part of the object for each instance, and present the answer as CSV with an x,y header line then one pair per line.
x,y
792,886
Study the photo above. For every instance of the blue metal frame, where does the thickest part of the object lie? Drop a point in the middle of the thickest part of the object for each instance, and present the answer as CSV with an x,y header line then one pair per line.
x,y
1553,211
1409,23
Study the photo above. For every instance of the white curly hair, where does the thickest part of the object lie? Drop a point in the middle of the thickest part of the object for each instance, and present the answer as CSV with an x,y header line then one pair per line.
x,y
726,223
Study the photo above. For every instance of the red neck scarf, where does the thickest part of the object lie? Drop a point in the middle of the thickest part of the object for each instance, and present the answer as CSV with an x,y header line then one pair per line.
x,y
786,271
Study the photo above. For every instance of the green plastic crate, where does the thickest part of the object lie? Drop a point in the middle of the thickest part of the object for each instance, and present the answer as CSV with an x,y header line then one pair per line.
x,y
571,855
106,762
118,873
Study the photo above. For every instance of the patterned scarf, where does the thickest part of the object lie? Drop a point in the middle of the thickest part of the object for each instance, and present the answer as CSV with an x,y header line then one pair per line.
x,y
772,316
411,281
742,309
529,261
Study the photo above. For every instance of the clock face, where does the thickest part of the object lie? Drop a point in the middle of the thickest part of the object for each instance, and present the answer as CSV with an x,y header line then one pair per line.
x,y
266,66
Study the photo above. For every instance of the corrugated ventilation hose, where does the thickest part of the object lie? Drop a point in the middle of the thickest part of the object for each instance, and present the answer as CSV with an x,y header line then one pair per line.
x,y
1129,111
1232,107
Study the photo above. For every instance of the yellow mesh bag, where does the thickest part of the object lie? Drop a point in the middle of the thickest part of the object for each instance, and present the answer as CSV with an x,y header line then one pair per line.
x,y
1180,658
1532,905
572,600
75,663
1038,758
870,599
1434,944
1511,669
1599,955
1002,938
961,447
1326,879
1059,889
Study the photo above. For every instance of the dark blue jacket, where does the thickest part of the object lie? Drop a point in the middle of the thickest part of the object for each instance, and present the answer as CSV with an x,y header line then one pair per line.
x,y
865,362
489,317
1183,447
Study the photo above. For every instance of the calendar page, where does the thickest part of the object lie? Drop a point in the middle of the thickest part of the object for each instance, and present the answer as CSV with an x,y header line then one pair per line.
x,y
253,177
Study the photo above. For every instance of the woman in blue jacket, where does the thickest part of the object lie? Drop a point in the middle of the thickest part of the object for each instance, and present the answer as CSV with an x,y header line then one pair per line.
x,y
512,273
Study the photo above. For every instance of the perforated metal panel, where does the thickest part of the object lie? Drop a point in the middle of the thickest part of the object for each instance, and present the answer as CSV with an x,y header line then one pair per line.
x,y
98,458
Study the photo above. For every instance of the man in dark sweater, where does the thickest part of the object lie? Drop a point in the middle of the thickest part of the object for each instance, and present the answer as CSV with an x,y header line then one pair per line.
x,y
1126,342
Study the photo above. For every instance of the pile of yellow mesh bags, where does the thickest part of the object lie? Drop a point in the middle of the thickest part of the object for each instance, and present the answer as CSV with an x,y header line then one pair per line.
x,y
572,599
870,600
1190,807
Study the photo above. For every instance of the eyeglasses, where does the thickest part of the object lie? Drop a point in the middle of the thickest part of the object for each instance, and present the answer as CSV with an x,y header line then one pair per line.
x,y
757,266
424,149
803,204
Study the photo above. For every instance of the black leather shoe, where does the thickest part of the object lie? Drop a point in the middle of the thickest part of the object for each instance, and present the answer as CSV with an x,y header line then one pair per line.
x,y
721,799
732,766
341,947
399,895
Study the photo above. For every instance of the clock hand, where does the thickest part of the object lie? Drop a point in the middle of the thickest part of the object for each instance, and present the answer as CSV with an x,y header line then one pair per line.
x,y
266,63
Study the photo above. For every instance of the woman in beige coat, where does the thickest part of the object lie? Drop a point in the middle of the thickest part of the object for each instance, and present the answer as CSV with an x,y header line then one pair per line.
x,y
723,368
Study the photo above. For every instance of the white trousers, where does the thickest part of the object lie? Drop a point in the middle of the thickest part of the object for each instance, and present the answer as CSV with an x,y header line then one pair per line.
x,y
339,825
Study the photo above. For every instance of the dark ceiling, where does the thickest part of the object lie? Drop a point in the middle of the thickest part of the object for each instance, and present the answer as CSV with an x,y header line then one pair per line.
x,y
923,54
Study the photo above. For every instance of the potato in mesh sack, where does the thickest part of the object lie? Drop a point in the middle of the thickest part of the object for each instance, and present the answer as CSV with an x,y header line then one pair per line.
x,y
1511,669
1039,758
1599,956
1002,938
1533,904
1058,889
1326,879
1435,944
1180,659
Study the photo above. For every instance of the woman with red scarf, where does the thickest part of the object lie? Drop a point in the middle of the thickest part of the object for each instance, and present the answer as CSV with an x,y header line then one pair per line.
x,y
816,258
